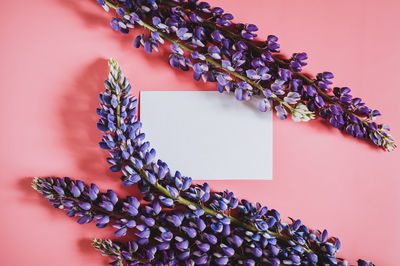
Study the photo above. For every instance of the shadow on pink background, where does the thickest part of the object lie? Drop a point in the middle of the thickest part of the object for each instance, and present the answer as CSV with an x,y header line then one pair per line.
x,y
53,65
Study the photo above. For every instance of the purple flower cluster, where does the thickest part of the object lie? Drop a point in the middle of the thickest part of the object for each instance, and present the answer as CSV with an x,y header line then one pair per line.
x,y
182,223
205,39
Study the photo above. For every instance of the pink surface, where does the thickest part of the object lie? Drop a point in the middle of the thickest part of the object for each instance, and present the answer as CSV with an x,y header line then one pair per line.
x,y
54,61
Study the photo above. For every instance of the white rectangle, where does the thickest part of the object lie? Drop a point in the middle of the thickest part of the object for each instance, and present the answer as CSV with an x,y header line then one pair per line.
x,y
208,135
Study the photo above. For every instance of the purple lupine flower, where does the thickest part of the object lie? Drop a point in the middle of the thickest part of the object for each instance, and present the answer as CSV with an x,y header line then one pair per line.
x,y
298,61
115,24
184,34
272,44
194,221
281,112
230,50
200,230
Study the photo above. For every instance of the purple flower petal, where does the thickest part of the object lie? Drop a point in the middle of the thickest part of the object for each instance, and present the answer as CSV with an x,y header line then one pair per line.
x,y
75,191
121,232
114,24
85,206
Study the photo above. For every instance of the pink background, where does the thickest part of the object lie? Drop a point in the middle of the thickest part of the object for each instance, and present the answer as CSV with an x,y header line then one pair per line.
x,y
53,63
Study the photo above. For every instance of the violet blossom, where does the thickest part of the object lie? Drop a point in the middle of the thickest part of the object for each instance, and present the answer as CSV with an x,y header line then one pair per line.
x,y
205,38
181,223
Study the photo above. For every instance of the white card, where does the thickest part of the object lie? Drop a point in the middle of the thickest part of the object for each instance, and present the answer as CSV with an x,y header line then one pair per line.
x,y
208,135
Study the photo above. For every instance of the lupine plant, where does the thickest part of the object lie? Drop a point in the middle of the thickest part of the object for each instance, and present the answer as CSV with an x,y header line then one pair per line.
x,y
205,39
177,222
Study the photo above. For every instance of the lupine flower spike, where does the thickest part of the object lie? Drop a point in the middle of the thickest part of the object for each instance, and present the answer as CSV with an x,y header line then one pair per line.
x,y
179,223
205,39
